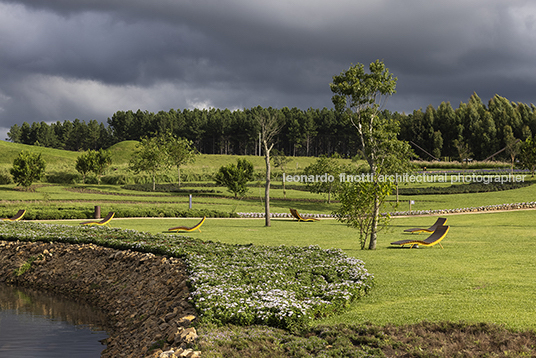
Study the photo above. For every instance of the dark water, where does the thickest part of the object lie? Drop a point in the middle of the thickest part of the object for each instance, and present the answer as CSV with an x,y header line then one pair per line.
x,y
38,325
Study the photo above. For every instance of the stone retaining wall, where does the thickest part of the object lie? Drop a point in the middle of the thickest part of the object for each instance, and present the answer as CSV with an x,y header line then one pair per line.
x,y
143,295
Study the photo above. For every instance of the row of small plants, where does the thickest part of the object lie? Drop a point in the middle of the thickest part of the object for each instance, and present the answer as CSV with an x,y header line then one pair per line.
x,y
281,286
170,188
463,188
50,212
459,165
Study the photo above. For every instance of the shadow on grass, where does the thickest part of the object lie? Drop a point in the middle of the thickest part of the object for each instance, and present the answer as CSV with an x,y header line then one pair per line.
x,y
425,339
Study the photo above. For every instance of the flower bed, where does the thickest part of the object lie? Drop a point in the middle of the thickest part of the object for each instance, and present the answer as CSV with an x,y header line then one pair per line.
x,y
241,284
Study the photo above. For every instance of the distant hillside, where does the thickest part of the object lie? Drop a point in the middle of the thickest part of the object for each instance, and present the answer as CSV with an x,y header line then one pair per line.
x,y
64,160
121,153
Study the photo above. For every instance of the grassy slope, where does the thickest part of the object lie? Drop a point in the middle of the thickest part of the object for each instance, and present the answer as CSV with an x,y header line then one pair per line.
x,y
58,159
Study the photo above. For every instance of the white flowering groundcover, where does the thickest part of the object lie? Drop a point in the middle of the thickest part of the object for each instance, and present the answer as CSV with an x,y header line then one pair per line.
x,y
281,286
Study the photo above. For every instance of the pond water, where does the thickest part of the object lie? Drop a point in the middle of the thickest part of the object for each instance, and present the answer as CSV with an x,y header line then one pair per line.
x,y
34,324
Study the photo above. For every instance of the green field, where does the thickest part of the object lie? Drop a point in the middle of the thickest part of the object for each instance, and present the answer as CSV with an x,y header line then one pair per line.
x,y
486,266
485,273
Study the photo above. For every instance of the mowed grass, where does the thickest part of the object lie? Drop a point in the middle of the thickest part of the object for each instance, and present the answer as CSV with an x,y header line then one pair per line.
x,y
485,273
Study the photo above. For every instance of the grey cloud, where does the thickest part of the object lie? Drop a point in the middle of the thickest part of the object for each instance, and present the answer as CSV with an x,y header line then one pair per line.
x,y
239,53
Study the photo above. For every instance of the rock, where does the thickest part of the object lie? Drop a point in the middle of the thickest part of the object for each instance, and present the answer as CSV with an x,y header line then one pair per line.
x,y
168,354
186,320
188,336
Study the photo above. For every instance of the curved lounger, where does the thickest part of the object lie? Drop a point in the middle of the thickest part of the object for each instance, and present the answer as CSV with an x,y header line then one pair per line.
x,y
186,228
297,215
438,235
105,221
439,222
17,216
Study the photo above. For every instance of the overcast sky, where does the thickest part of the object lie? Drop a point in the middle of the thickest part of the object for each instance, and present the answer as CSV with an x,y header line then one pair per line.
x,y
86,59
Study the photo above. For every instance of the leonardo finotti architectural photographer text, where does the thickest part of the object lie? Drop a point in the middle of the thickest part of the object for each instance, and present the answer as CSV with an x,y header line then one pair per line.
x,y
405,178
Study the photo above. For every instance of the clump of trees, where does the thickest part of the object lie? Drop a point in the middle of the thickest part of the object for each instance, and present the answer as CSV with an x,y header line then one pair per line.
x,y
155,154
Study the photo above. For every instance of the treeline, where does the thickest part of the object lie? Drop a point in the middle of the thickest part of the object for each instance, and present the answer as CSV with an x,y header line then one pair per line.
x,y
434,132
215,131
484,129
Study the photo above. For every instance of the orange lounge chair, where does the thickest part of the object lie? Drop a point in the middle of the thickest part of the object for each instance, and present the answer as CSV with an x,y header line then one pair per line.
x,y
17,216
105,221
186,228
438,235
439,222
297,215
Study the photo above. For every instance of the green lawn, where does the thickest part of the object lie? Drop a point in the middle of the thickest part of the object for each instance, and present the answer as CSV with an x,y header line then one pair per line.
x,y
485,273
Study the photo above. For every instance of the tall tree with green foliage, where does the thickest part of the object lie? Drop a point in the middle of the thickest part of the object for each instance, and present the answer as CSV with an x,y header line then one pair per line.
x,y
85,163
150,156
324,174
103,159
181,151
235,176
361,96
512,146
527,154
27,168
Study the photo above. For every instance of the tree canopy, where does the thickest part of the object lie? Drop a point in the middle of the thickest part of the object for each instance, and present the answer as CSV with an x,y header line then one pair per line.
x,y
235,176
27,168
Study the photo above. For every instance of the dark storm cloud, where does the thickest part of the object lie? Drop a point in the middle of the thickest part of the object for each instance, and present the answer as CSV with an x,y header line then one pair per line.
x,y
64,59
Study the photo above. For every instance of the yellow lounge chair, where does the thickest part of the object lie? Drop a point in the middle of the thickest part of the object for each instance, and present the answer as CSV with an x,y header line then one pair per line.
x,y
186,228
17,216
105,221
297,215
438,235
439,222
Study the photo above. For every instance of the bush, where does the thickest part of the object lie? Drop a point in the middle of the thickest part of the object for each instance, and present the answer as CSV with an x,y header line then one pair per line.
x,y
5,177
63,178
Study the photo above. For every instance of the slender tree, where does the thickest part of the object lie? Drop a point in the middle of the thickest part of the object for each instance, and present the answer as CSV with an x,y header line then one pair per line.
x,y
103,159
527,155
85,164
269,127
281,161
181,151
361,96
324,174
150,157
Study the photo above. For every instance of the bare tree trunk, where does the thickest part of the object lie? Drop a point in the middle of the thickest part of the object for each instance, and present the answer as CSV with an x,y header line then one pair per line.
x,y
179,174
267,186
374,229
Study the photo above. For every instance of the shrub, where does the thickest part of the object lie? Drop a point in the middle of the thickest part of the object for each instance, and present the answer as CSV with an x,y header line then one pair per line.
x,y
63,178
5,177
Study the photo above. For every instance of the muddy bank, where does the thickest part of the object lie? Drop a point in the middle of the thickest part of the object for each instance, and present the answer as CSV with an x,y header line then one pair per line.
x,y
143,295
